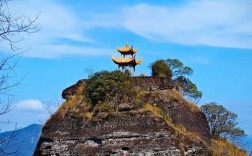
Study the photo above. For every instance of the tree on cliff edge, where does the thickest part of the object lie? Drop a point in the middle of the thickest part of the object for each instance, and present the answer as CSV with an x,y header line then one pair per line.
x,y
175,69
222,122
12,28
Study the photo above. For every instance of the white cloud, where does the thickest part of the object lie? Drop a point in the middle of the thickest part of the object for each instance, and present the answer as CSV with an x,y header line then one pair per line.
x,y
221,23
29,104
54,51
199,60
58,23
56,20
224,23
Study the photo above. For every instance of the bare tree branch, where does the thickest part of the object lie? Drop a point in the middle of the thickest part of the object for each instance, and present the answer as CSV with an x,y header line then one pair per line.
x,y
12,29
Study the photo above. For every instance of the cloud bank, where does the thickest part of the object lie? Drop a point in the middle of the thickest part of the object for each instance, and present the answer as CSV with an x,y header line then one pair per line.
x,y
61,30
219,23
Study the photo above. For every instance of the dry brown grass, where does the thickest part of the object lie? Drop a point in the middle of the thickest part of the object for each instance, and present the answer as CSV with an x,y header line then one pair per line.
x,y
221,147
180,129
76,105
194,107
171,93
104,107
158,112
176,94
88,115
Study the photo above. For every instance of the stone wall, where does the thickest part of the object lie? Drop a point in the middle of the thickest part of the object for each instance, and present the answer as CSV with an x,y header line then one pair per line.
x,y
153,83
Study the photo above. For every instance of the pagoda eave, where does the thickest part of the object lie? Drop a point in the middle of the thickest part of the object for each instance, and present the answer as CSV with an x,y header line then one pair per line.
x,y
127,51
126,61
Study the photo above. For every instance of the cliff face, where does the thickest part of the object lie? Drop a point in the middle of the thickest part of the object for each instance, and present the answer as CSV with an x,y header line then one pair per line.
x,y
165,125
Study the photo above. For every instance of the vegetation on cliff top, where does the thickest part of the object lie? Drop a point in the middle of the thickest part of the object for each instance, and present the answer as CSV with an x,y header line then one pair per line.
x,y
114,87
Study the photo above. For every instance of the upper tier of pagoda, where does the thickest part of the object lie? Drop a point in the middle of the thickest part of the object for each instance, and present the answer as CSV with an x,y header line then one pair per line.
x,y
127,50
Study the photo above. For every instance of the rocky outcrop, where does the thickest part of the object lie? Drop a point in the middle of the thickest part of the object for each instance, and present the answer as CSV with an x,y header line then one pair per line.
x,y
72,90
133,133
181,111
169,127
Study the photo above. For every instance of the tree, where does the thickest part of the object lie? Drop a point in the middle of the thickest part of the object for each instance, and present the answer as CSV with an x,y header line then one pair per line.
x,y
188,89
178,69
175,69
222,122
11,30
160,69
12,27
183,84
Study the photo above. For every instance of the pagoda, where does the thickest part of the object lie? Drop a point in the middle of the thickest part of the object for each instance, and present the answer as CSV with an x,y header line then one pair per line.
x,y
128,58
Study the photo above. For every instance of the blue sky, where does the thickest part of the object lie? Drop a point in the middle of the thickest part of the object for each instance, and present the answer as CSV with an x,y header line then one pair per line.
x,y
213,37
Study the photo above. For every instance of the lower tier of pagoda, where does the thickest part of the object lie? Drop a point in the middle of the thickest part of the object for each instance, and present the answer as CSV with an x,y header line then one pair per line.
x,y
131,62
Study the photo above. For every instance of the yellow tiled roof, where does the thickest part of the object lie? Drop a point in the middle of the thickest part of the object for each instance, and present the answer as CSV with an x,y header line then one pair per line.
x,y
126,60
139,61
127,49
123,60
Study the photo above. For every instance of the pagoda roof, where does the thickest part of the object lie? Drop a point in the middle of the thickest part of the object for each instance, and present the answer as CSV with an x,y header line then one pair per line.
x,y
126,61
139,61
127,50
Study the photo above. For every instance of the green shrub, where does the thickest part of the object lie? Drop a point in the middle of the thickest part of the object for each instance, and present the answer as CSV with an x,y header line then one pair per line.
x,y
160,69
112,87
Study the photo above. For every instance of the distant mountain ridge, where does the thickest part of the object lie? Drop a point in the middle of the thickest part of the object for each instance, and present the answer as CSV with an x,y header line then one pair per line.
x,y
24,142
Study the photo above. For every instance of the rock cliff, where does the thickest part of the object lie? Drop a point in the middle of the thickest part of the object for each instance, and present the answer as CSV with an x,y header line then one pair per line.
x,y
159,122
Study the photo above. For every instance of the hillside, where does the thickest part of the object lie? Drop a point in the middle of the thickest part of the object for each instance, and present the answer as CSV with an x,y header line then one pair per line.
x,y
158,121
24,141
